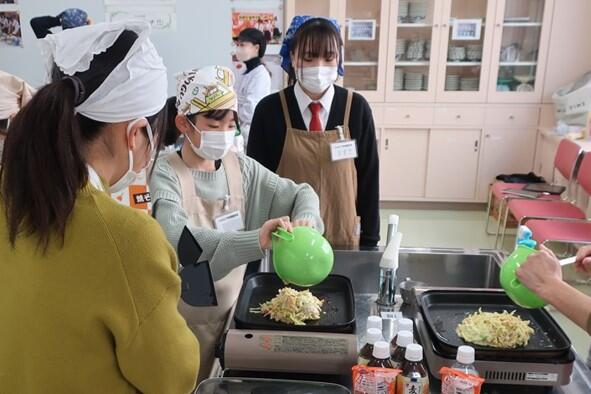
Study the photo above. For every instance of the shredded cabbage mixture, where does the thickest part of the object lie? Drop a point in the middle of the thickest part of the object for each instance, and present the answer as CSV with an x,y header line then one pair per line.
x,y
293,307
499,330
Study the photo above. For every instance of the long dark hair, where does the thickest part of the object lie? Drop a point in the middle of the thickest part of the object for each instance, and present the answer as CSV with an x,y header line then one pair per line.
x,y
43,165
317,37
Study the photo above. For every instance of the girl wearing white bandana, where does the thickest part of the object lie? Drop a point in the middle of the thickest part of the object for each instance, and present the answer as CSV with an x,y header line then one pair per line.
x,y
90,286
229,202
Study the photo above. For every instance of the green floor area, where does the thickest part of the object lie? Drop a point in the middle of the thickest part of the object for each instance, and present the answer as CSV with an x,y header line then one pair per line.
x,y
424,226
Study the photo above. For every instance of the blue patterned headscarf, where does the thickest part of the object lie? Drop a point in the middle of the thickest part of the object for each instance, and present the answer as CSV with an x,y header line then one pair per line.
x,y
296,22
73,17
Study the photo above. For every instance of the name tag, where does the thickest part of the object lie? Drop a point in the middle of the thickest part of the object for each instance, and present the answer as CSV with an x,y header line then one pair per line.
x,y
229,222
343,150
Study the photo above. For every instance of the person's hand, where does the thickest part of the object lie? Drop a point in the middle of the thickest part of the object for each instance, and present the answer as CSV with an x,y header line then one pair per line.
x,y
270,226
583,262
302,223
540,271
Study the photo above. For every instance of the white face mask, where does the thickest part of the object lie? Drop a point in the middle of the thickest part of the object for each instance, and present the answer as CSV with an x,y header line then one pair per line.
x,y
317,79
244,54
130,176
214,144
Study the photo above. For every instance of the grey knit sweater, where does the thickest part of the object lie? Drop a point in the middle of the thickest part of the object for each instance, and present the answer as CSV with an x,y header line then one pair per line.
x,y
267,196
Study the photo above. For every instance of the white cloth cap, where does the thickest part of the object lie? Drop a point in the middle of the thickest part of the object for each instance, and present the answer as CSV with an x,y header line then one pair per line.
x,y
14,94
135,88
206,89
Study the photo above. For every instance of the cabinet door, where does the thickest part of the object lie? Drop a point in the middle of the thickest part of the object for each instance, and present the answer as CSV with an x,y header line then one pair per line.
x,y
365,46
464,56
403,163
452,164
413,51
505,151
324,8
520,48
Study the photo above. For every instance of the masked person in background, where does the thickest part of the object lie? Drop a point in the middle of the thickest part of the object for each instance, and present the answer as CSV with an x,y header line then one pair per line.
x,y
89,288
68,19
229,202
255,83
14,94
319,133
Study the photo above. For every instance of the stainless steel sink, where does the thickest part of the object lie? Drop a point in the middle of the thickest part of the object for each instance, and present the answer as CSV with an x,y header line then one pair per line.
x,y
435,267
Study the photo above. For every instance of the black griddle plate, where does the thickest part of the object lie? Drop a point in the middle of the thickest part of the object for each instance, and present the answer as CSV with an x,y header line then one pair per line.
x,y
444,310
338,311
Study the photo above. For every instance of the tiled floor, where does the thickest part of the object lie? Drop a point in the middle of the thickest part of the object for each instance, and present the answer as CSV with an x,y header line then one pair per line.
x,y
461,228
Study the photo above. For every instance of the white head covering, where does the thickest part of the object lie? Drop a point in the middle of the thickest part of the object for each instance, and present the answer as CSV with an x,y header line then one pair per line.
x,y
14,94
206,89
135,88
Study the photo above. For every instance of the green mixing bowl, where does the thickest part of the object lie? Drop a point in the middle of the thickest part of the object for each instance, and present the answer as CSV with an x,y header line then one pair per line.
x,y
303,257
520,294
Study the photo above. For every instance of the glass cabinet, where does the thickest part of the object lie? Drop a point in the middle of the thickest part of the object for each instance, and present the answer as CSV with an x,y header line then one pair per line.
x,y
465,50
522,34
412,57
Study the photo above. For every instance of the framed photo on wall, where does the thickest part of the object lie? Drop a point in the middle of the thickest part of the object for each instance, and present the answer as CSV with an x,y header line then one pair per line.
x,y
362,29
466,29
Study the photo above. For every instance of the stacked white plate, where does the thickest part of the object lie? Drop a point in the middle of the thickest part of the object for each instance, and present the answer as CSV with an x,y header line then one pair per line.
x,y
469,84
400,48
452,82
418,11
398,79
474,53
413,81
403,6
456,53
415,50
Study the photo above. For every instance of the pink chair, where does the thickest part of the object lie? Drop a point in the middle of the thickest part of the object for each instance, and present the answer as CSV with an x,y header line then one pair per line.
x,y
525,210
566,161
567,229
568,156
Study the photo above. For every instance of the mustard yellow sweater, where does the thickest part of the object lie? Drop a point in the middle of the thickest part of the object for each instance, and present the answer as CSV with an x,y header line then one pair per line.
x,y
98,315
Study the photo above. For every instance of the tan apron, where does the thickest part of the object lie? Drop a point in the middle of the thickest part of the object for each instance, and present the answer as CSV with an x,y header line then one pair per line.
x,y
306,158
207,323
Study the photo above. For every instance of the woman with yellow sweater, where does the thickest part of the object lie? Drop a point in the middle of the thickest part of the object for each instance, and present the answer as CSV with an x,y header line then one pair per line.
x,y
88,287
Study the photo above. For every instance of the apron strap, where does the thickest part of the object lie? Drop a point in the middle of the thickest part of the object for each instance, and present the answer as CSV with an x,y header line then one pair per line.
x,y
234,177
285,109
185,177
348,112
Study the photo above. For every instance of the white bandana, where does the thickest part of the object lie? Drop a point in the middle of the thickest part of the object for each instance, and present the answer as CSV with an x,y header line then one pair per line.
x,y
135,88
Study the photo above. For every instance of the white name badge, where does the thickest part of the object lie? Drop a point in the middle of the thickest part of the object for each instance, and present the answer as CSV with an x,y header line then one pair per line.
x,y
229,222
343,150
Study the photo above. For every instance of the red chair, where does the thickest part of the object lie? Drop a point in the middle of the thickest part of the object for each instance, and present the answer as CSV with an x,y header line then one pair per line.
x,y
525,210
568,156
566,230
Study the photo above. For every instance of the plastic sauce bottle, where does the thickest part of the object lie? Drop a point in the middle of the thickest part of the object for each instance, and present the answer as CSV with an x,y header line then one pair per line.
x,y
403,325
373,335
374,322
404,338
414,378
381,355
465,361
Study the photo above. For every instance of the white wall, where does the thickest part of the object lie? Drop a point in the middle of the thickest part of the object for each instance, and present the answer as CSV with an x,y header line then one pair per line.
x,y
203,36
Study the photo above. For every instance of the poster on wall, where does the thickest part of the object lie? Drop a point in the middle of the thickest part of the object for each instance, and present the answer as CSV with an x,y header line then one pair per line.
x,y
10,29
160,14
270,22
8,1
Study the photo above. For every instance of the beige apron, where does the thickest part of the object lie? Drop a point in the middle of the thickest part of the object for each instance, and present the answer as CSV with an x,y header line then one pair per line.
x,y
306,158
207,323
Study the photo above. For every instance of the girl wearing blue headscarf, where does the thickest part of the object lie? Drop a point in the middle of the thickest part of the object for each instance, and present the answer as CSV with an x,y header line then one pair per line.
x,y
319,133
68,19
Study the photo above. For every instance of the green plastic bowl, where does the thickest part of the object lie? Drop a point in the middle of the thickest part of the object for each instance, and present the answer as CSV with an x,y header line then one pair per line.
x,y
518,293
303,257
